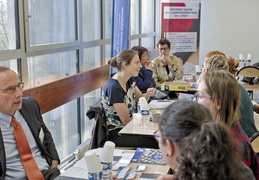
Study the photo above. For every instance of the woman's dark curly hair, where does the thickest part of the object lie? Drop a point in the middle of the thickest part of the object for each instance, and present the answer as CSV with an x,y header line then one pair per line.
x,y
207,148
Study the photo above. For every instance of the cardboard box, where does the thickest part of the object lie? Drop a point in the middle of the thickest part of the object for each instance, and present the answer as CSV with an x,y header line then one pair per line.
x,y
175,86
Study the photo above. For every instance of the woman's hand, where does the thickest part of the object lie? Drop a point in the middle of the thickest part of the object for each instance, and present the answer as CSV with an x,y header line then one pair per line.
x,y
149,66
150,92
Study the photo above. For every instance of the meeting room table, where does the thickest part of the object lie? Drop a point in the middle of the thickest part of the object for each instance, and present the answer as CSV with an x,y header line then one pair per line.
x,y
79,170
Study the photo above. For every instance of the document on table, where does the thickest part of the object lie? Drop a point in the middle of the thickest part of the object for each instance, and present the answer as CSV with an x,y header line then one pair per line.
x,y
124,161
160,104
79,170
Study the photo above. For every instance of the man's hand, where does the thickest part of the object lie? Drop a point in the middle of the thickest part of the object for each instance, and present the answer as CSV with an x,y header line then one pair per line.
x,y
54,164
166,60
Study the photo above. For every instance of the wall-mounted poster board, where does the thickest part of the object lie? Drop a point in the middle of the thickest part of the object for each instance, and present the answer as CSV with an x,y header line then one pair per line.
x,y
180,24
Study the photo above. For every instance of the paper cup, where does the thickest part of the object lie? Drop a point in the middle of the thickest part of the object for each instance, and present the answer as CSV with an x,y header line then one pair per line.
x,y
137,119
155,117
143,103
106,154
93,163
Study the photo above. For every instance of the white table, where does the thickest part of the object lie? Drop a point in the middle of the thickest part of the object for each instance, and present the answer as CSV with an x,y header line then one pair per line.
x,y
79,170
131,129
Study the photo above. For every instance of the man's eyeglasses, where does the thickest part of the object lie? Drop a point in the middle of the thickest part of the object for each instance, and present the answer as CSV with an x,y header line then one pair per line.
x,y
197,97
13,88
162,49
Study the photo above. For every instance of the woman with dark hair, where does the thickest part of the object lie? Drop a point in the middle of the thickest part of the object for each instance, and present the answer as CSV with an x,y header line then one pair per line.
x,y
144,79
196,147
119,98
219,91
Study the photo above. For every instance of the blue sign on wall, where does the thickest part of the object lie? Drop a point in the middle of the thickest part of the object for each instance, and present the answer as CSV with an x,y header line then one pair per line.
x,y
120,27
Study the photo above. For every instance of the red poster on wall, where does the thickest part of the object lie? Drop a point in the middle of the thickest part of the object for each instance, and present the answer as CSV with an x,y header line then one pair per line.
x,y
181,26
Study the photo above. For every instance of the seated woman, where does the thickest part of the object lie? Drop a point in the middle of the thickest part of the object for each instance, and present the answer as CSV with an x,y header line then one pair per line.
x,y
196,147
216,60
144,79
119,99
220,93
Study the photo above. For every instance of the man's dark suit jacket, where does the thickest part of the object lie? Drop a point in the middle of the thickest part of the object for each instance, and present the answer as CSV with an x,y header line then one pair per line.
x,y
31,113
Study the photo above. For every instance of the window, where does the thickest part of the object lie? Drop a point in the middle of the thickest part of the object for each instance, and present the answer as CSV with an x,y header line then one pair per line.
x,y
52,21
8,25
91,20
92,58
134,17
63,125
147,16
11,64
50,67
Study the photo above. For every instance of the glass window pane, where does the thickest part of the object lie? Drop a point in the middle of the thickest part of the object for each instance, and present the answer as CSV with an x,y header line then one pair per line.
x,y
12,64
92,58
148,42
134,42
51,67
134,17
91,20
8,25
63,125
52,21
89,100
147,16
108,18
107,52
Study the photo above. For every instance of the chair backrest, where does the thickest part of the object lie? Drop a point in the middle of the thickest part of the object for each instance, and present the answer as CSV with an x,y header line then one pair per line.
x,y
249,73
100,129
254,139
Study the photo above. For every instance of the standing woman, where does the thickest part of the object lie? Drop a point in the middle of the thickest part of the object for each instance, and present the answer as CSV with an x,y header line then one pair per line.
x,y
219,91
119,98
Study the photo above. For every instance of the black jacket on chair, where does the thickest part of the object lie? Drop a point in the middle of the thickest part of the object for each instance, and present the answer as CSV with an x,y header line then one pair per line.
x,y
100,130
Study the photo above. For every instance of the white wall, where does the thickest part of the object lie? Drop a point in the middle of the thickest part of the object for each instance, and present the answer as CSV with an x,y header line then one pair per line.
x,y
230,26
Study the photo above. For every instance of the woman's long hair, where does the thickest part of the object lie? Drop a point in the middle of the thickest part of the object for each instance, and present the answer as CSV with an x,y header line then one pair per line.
x,y
207,148
225,92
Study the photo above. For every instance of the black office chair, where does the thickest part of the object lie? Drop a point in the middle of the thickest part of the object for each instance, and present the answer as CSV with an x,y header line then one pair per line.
x,y
249,72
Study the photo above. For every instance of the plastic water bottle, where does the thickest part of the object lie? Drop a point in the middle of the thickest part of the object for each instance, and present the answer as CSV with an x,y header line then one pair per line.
x,y
145,111
145,115
138,108
242,62
107,170
248,60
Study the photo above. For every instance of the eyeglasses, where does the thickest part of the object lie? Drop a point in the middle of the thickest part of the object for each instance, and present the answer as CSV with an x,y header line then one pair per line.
x,y
162,49
158,137
13,88
197,97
